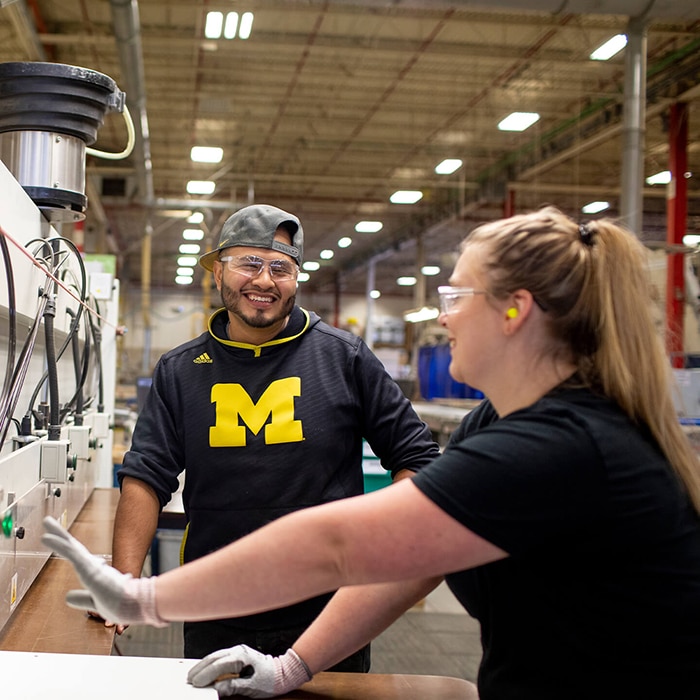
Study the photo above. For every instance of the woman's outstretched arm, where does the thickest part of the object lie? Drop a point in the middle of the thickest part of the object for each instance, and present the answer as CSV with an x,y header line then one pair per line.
x,y
391,535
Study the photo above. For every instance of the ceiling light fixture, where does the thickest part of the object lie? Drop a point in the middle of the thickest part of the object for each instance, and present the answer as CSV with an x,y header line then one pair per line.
x,y
181,279
189,248
345,242
311,265
193,234
368,226
231,25
185,271
609,48
518,121
406,197
595,207
407,281
425,313
206,154
430,270
187,261
662,178
691,239
246,25
448,166
196,218
201,187
326,254
375,294
213,25
303,277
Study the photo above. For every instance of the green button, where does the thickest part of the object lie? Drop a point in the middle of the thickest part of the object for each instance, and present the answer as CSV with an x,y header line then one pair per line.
x,y
7,525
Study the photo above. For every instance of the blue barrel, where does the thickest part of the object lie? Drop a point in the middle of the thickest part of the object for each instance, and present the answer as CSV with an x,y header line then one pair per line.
x,y
434,377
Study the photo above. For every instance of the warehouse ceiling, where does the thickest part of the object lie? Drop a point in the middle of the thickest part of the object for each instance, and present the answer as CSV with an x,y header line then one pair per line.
x,y
330,107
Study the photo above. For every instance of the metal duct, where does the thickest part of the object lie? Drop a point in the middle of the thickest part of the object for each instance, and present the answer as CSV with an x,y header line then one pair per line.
x,y
127,31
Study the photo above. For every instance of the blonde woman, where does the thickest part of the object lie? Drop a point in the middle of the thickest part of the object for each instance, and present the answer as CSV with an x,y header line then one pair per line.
x,y
563,514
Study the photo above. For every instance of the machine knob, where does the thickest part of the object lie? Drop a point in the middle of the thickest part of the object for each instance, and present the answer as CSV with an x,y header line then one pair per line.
x,y
57,492
19,533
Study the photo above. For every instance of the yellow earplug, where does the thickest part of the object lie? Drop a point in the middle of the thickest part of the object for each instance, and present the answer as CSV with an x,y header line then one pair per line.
x,y
512,312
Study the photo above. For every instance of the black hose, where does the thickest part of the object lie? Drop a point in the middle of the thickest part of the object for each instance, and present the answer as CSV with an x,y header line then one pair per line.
x,y
20,372
53,246
77,368
5,415
52,370
12,330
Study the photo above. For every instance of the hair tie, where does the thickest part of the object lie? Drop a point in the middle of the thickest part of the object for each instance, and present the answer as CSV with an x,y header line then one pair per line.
x,y
585,234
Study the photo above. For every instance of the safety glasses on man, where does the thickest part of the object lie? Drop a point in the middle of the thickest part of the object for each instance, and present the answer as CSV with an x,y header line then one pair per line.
x,y
252,266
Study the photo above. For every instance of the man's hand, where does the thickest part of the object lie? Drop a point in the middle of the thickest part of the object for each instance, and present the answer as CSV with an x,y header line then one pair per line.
x,y
115,596
119,629
241,670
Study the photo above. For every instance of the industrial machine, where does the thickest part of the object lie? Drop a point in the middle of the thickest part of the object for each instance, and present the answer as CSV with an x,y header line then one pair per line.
x,y
57,320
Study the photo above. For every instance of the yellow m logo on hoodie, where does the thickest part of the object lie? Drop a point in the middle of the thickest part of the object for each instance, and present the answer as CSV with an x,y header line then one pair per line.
x,y
235,407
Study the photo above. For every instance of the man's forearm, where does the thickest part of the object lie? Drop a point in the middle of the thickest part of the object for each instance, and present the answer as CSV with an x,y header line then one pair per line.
x,y
135,525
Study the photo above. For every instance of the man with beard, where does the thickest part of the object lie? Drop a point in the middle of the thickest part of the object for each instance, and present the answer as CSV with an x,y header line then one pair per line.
x,y
266,413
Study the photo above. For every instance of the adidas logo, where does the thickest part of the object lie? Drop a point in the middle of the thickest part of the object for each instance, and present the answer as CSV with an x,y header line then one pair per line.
x,y
203,359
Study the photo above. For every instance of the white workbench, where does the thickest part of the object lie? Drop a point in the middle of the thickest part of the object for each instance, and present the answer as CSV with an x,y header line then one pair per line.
x,y
28,675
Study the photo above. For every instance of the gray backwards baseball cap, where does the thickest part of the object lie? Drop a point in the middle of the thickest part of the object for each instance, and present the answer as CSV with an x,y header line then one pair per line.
x,y
255,226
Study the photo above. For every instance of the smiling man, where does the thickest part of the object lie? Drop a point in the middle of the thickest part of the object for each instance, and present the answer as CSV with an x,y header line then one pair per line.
x,y
266,413
255,268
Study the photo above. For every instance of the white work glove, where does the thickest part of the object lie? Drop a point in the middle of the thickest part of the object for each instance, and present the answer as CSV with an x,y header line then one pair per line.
x,y
241,670
115,596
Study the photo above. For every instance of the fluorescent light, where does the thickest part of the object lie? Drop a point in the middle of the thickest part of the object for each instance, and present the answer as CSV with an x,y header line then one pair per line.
x,y
406,281
201,187
246,25
181,279
448,166
303,277
368,226
345,242
609,48
691,239
326,254
193,234
185,271
662,178
206,154
518,121
213,25
406,197
430,270
426,313
311,265
189,248
595,207
375,294
196,218
231,25
187,261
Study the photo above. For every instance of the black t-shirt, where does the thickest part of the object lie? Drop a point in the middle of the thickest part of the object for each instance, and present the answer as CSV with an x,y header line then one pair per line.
x,y
600,596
